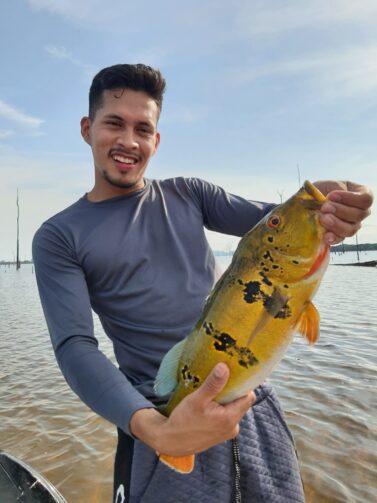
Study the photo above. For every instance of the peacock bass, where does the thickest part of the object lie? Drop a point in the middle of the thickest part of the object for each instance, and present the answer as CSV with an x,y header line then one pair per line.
x,y
254,309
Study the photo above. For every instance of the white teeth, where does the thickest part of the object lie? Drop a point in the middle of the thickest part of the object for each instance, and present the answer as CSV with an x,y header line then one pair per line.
x,y
124,160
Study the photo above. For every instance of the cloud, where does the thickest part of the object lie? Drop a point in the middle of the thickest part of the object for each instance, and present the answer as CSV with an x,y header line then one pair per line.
x,y
63,53
12,114
347,73
5,134
277,17
68,8
180,114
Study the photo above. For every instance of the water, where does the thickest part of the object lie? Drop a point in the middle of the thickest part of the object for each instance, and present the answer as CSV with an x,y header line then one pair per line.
x,y
327,391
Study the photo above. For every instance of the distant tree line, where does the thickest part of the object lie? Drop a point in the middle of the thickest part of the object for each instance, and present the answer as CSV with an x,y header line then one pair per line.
x,y
361,247
220,253
334,249
13,262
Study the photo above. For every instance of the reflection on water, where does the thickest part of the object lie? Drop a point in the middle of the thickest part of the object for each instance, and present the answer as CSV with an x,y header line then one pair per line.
x,y
327,391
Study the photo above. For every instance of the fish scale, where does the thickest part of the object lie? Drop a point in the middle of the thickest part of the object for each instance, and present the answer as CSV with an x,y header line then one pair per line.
x,y
258,304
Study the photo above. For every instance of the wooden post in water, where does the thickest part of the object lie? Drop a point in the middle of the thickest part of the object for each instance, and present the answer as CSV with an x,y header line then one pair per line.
x,y
18,263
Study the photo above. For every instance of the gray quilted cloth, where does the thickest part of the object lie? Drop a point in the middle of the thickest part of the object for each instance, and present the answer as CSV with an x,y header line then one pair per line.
x,y
269,467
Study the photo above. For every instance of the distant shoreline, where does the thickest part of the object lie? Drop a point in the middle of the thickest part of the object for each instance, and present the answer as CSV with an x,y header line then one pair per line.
x,y
342,248
13,262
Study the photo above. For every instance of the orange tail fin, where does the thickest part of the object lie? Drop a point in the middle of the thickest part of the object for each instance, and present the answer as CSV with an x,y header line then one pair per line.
x,y
181,464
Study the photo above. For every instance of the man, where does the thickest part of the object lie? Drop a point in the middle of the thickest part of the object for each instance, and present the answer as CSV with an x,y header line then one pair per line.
x,y
134,250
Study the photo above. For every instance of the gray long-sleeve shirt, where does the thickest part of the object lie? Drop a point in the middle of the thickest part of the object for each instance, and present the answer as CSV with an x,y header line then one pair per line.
x,y
143,264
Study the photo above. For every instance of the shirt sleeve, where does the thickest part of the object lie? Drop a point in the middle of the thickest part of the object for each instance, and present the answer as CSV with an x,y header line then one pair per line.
x,y
224,212
66,305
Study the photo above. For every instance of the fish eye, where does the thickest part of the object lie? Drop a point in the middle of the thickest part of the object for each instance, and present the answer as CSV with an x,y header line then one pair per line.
x,y
273,222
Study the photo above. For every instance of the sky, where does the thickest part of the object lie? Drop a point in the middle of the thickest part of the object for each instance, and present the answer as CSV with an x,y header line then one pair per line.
x,y
260,95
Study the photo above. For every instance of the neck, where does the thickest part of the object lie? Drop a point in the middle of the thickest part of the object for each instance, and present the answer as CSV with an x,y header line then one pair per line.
x,y
98,194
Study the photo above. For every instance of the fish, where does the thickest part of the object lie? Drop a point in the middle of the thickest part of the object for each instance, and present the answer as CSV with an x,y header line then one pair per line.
x,y
259,303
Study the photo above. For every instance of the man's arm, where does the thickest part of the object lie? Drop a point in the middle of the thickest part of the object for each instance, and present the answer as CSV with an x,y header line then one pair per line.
x,y
66,304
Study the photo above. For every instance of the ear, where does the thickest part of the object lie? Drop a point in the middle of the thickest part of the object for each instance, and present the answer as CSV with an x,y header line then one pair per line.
x,y
85,129
157,142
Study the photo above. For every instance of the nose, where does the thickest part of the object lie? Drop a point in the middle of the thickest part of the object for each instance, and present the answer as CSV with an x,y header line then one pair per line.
x,y
127,138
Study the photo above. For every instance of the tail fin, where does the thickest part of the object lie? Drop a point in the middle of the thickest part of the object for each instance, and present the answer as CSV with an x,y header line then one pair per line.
x,y
181,464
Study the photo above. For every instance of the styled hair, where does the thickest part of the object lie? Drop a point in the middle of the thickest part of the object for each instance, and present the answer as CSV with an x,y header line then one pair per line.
x,y
137,77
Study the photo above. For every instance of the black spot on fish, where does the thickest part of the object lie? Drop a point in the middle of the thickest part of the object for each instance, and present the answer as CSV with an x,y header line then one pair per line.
x,y
295,262
269,304
224,342
285,312
265,269
240,282
265,280
270,239
252,291
247,357
275,266
184,371
285,286
207,328
196,382
228,344
268,256
188,378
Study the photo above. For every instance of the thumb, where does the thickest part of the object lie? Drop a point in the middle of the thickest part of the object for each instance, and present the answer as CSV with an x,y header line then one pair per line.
x,y
214,383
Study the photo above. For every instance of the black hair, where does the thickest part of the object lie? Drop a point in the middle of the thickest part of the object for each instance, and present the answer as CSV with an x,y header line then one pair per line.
x,y
137,77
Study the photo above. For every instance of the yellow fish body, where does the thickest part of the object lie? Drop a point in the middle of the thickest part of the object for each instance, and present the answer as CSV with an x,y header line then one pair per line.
x,y
255,308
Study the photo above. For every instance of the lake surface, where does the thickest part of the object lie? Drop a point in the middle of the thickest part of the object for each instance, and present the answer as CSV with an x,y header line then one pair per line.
x,y
328,393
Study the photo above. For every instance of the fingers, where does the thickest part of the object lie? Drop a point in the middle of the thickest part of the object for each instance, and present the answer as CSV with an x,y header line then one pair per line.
x,y
338,228
214,383
240,406
344,211
199,422
358,196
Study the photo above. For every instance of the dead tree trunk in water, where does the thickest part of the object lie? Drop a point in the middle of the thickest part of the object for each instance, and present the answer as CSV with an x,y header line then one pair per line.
x,y
18,264
299,176
357,248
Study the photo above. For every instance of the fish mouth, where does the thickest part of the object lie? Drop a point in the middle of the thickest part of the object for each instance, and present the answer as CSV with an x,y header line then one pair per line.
x,y
316,197
319,261
314,192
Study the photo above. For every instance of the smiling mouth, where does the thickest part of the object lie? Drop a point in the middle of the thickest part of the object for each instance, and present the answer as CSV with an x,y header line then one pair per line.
x,y
124,159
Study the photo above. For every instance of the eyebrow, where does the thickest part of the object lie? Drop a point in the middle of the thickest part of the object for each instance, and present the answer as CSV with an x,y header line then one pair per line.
x,y
119,118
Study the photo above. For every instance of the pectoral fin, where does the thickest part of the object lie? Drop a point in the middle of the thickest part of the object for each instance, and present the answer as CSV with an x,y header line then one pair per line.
x,y
167,374
273,304
308,323
181,464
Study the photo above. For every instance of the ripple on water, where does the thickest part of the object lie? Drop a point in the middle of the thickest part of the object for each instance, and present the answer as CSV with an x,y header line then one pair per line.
x,y
327,392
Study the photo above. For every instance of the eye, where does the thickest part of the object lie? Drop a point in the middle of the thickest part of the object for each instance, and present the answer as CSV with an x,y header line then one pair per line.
x,y
113,123
145,131
273,222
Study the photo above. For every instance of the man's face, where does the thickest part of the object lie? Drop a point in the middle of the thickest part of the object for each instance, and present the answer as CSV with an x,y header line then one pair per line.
x,y
123,138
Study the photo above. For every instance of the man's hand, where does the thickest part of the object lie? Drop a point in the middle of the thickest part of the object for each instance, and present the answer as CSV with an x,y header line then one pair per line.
x,y
347,205
197,423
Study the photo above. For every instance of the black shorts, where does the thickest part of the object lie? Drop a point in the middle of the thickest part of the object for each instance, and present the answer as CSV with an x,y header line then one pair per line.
x,y
122,468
